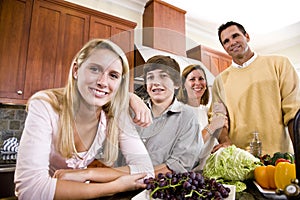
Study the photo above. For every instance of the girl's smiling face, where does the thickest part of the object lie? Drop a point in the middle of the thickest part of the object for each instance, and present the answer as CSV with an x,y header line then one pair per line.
x,y
99,77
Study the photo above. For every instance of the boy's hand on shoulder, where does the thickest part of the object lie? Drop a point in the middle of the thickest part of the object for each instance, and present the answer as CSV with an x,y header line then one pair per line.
x,y
142,114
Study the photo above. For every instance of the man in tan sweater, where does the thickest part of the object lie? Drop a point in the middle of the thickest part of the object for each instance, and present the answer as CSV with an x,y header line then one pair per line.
x,y
261,93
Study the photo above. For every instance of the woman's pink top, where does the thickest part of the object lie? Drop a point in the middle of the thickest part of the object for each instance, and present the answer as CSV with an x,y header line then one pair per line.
x,y
38,159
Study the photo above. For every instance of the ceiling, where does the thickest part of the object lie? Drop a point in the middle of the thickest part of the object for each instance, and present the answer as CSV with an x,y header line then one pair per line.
x,y
259,17
273,25
268,22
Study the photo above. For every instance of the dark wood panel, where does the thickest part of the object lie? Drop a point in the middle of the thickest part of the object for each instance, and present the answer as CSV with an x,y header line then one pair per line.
x,y
164,27
56,35
214,65
99,28
215,61
43,47
122,35
205,59
13,46
76,32
39,39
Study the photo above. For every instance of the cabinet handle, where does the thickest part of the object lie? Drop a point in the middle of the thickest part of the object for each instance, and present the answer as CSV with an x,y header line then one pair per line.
x,y
19,92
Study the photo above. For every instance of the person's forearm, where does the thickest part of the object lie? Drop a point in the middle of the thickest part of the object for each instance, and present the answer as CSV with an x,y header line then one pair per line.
x,y
106,174
66,189
142,114
77,190
224,140
205,135
224,136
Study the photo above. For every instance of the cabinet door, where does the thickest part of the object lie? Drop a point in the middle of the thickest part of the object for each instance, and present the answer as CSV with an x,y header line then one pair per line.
x,y
224,63
211,62
215,60
125,39
100,28
56,34
14,26
122,35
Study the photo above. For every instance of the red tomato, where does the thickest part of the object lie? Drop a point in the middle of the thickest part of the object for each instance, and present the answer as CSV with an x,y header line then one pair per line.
x,y
281,160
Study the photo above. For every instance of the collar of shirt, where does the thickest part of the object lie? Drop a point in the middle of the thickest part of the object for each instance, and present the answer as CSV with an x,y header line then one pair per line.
x,y
245,64
176,106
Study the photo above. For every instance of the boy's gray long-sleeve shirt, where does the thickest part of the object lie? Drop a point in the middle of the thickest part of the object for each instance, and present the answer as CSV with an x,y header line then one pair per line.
x,y
174,138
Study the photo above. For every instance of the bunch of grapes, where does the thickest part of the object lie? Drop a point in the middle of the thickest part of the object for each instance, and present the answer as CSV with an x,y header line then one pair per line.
x,y
185,186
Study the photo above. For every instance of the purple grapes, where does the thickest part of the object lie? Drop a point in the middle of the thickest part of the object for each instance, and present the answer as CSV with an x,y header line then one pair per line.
x,y
185,186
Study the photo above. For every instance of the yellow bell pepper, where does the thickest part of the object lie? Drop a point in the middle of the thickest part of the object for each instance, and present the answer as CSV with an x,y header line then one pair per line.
x,y
285,172
264,176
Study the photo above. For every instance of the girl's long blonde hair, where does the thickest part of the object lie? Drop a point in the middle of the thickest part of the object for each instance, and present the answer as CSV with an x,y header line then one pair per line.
x,y
65,102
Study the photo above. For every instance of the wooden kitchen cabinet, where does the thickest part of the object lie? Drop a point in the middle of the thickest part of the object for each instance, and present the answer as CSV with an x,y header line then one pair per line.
x,y
15,18
121,33
215,61
164,27
56,34
39,39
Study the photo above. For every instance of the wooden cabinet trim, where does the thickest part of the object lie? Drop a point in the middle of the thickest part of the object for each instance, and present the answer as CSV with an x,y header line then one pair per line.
x,y
14,80
215,61
165,4
92,12
117,24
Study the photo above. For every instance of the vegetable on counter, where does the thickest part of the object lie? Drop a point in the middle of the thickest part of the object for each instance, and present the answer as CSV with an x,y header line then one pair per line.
x,y
281,160
278,155
264,176
266,159
285,172
231,165
275,177
290,157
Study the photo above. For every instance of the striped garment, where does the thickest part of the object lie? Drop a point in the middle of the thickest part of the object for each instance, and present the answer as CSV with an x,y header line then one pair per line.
x,y
10,145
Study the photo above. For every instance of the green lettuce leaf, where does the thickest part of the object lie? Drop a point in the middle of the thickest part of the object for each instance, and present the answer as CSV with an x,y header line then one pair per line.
x,y
231,164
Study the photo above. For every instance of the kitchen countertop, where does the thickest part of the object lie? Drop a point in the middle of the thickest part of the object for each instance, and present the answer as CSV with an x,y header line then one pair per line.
x,y
251,193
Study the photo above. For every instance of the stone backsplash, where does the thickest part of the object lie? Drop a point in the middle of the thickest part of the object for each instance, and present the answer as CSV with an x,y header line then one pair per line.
x,y
12,119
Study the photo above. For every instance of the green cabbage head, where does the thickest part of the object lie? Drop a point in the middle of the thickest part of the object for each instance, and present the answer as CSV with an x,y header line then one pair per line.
x,y
231,164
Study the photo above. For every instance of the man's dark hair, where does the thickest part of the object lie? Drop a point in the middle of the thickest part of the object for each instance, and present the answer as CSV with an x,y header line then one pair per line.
x,y
226,25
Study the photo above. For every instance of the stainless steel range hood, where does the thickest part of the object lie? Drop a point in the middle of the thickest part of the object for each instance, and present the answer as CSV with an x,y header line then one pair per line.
x,y
146,52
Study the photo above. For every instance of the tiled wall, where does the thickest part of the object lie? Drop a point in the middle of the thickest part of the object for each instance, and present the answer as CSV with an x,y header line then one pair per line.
x,y
12,118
